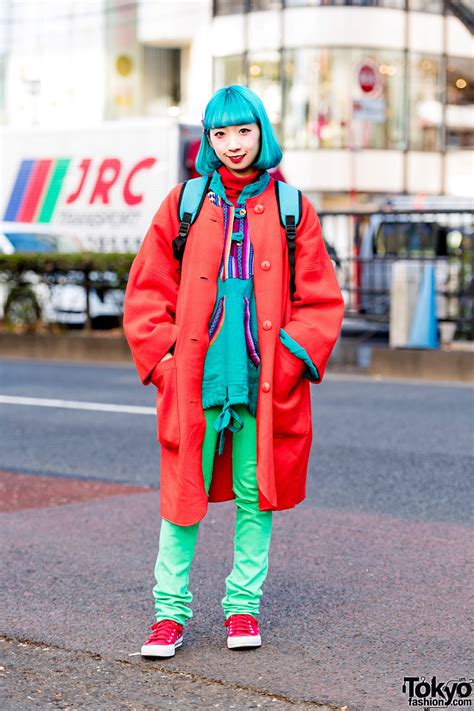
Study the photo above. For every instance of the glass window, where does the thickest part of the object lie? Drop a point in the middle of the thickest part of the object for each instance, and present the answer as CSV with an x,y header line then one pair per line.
x,y
460,102
229,70
161,79
228,7
316,106
340,98
425,115
400,4
426,5
264,79
265,4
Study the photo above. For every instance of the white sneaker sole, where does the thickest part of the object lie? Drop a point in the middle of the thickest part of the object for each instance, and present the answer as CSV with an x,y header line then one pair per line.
x,y
161,650
244,641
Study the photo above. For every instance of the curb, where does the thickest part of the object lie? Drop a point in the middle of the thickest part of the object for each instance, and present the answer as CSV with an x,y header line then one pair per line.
x,y
71,347
455,365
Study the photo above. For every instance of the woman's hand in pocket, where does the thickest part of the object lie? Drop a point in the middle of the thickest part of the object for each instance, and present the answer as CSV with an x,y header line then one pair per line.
x,y
158,369
288,371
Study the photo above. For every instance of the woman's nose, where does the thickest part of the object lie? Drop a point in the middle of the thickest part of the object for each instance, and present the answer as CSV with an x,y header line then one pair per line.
x,y
234,143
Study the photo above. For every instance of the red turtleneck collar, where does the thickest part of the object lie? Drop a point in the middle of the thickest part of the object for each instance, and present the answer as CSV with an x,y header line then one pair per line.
x,y
234,184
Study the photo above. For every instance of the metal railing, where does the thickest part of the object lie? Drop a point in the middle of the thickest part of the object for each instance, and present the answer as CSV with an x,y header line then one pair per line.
x,y
367,244
363,246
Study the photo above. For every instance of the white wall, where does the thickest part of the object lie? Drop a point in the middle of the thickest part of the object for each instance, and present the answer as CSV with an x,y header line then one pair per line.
x,y
171,23
197,80
344,26
460,42
228,35
341,170
459,173
424,172
425,32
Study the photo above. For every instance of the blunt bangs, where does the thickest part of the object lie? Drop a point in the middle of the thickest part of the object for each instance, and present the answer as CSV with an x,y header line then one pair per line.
x,y
232,106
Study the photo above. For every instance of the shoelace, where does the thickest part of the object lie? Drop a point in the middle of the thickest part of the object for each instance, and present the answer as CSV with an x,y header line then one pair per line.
x,y
241,624
164,631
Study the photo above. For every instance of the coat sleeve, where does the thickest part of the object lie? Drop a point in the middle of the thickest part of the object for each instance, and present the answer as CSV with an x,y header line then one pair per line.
x,y
152,291
318,307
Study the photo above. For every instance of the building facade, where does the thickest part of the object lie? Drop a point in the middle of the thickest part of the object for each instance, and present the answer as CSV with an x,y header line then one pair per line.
x,y
369,98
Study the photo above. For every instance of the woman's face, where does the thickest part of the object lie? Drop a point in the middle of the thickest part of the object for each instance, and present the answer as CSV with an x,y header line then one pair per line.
x,y
233,141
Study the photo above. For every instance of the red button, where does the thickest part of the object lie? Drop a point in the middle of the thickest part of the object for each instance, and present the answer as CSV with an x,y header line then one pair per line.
x,y
265,265
267,325
266,387
259,208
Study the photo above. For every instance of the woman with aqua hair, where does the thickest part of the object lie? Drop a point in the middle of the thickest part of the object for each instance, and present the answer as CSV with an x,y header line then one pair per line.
x,y
232,337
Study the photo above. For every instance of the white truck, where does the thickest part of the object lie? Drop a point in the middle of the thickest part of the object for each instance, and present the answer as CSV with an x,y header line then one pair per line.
x,y
97,188
100,184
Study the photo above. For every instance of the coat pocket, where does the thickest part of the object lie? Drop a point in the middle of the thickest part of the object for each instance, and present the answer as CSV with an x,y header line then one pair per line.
x,y
291,396
288,370
165,380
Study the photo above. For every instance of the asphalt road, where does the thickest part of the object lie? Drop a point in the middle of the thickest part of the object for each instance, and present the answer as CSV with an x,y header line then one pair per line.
x,y
398,448
369,577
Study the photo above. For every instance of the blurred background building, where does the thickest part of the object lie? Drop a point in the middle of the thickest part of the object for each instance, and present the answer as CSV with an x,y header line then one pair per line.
x,y
372,100
369,98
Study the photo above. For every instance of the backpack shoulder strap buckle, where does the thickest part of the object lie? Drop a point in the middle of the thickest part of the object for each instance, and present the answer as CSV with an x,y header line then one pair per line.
x,y
184,225
290,227
190,202
289,201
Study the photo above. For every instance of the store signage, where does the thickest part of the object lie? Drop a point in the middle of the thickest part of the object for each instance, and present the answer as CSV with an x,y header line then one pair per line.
x,y
368,78
372,110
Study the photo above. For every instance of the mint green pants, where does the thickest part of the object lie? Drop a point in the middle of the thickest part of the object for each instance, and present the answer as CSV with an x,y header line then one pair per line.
x,y
251,541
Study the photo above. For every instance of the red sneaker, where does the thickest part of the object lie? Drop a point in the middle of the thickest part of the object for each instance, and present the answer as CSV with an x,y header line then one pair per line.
x,y
242,632
166,637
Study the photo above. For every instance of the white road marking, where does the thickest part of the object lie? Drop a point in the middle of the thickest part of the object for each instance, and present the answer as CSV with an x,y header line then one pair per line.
x,y
76,405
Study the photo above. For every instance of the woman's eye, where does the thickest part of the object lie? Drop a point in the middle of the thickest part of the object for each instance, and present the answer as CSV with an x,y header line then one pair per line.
x,y
218,134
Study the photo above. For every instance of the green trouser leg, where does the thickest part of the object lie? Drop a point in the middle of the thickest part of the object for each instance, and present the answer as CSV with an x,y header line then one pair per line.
x,y
175,555
253,528
177,544
252,534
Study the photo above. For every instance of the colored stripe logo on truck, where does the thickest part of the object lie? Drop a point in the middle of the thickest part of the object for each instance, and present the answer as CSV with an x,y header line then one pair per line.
x,y
36,190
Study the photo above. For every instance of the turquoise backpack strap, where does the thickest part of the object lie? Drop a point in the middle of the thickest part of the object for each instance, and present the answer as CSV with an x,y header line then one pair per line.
x,y
290,207
190,202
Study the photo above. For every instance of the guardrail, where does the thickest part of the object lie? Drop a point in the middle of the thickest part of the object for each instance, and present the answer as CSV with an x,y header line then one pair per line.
x,y
366,245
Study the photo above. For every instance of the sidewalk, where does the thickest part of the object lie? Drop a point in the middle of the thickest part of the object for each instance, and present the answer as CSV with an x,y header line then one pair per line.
x,y
353,603
84,680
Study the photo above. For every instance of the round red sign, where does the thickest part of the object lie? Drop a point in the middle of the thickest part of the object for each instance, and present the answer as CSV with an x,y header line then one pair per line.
x,y
367,78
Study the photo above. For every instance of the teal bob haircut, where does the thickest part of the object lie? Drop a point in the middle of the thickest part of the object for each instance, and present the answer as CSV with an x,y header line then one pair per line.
x,y
232,106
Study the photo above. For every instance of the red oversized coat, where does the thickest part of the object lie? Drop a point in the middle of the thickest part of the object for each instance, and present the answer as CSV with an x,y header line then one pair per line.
x,y
164,307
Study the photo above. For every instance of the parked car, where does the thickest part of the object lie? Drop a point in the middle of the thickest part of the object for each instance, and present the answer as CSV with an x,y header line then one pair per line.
x,y
63,302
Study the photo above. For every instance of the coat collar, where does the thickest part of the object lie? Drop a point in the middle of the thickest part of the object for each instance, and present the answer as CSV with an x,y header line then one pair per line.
x,y
251,190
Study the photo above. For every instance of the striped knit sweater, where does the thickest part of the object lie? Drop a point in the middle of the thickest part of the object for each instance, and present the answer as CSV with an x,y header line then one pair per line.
x,y
237,253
